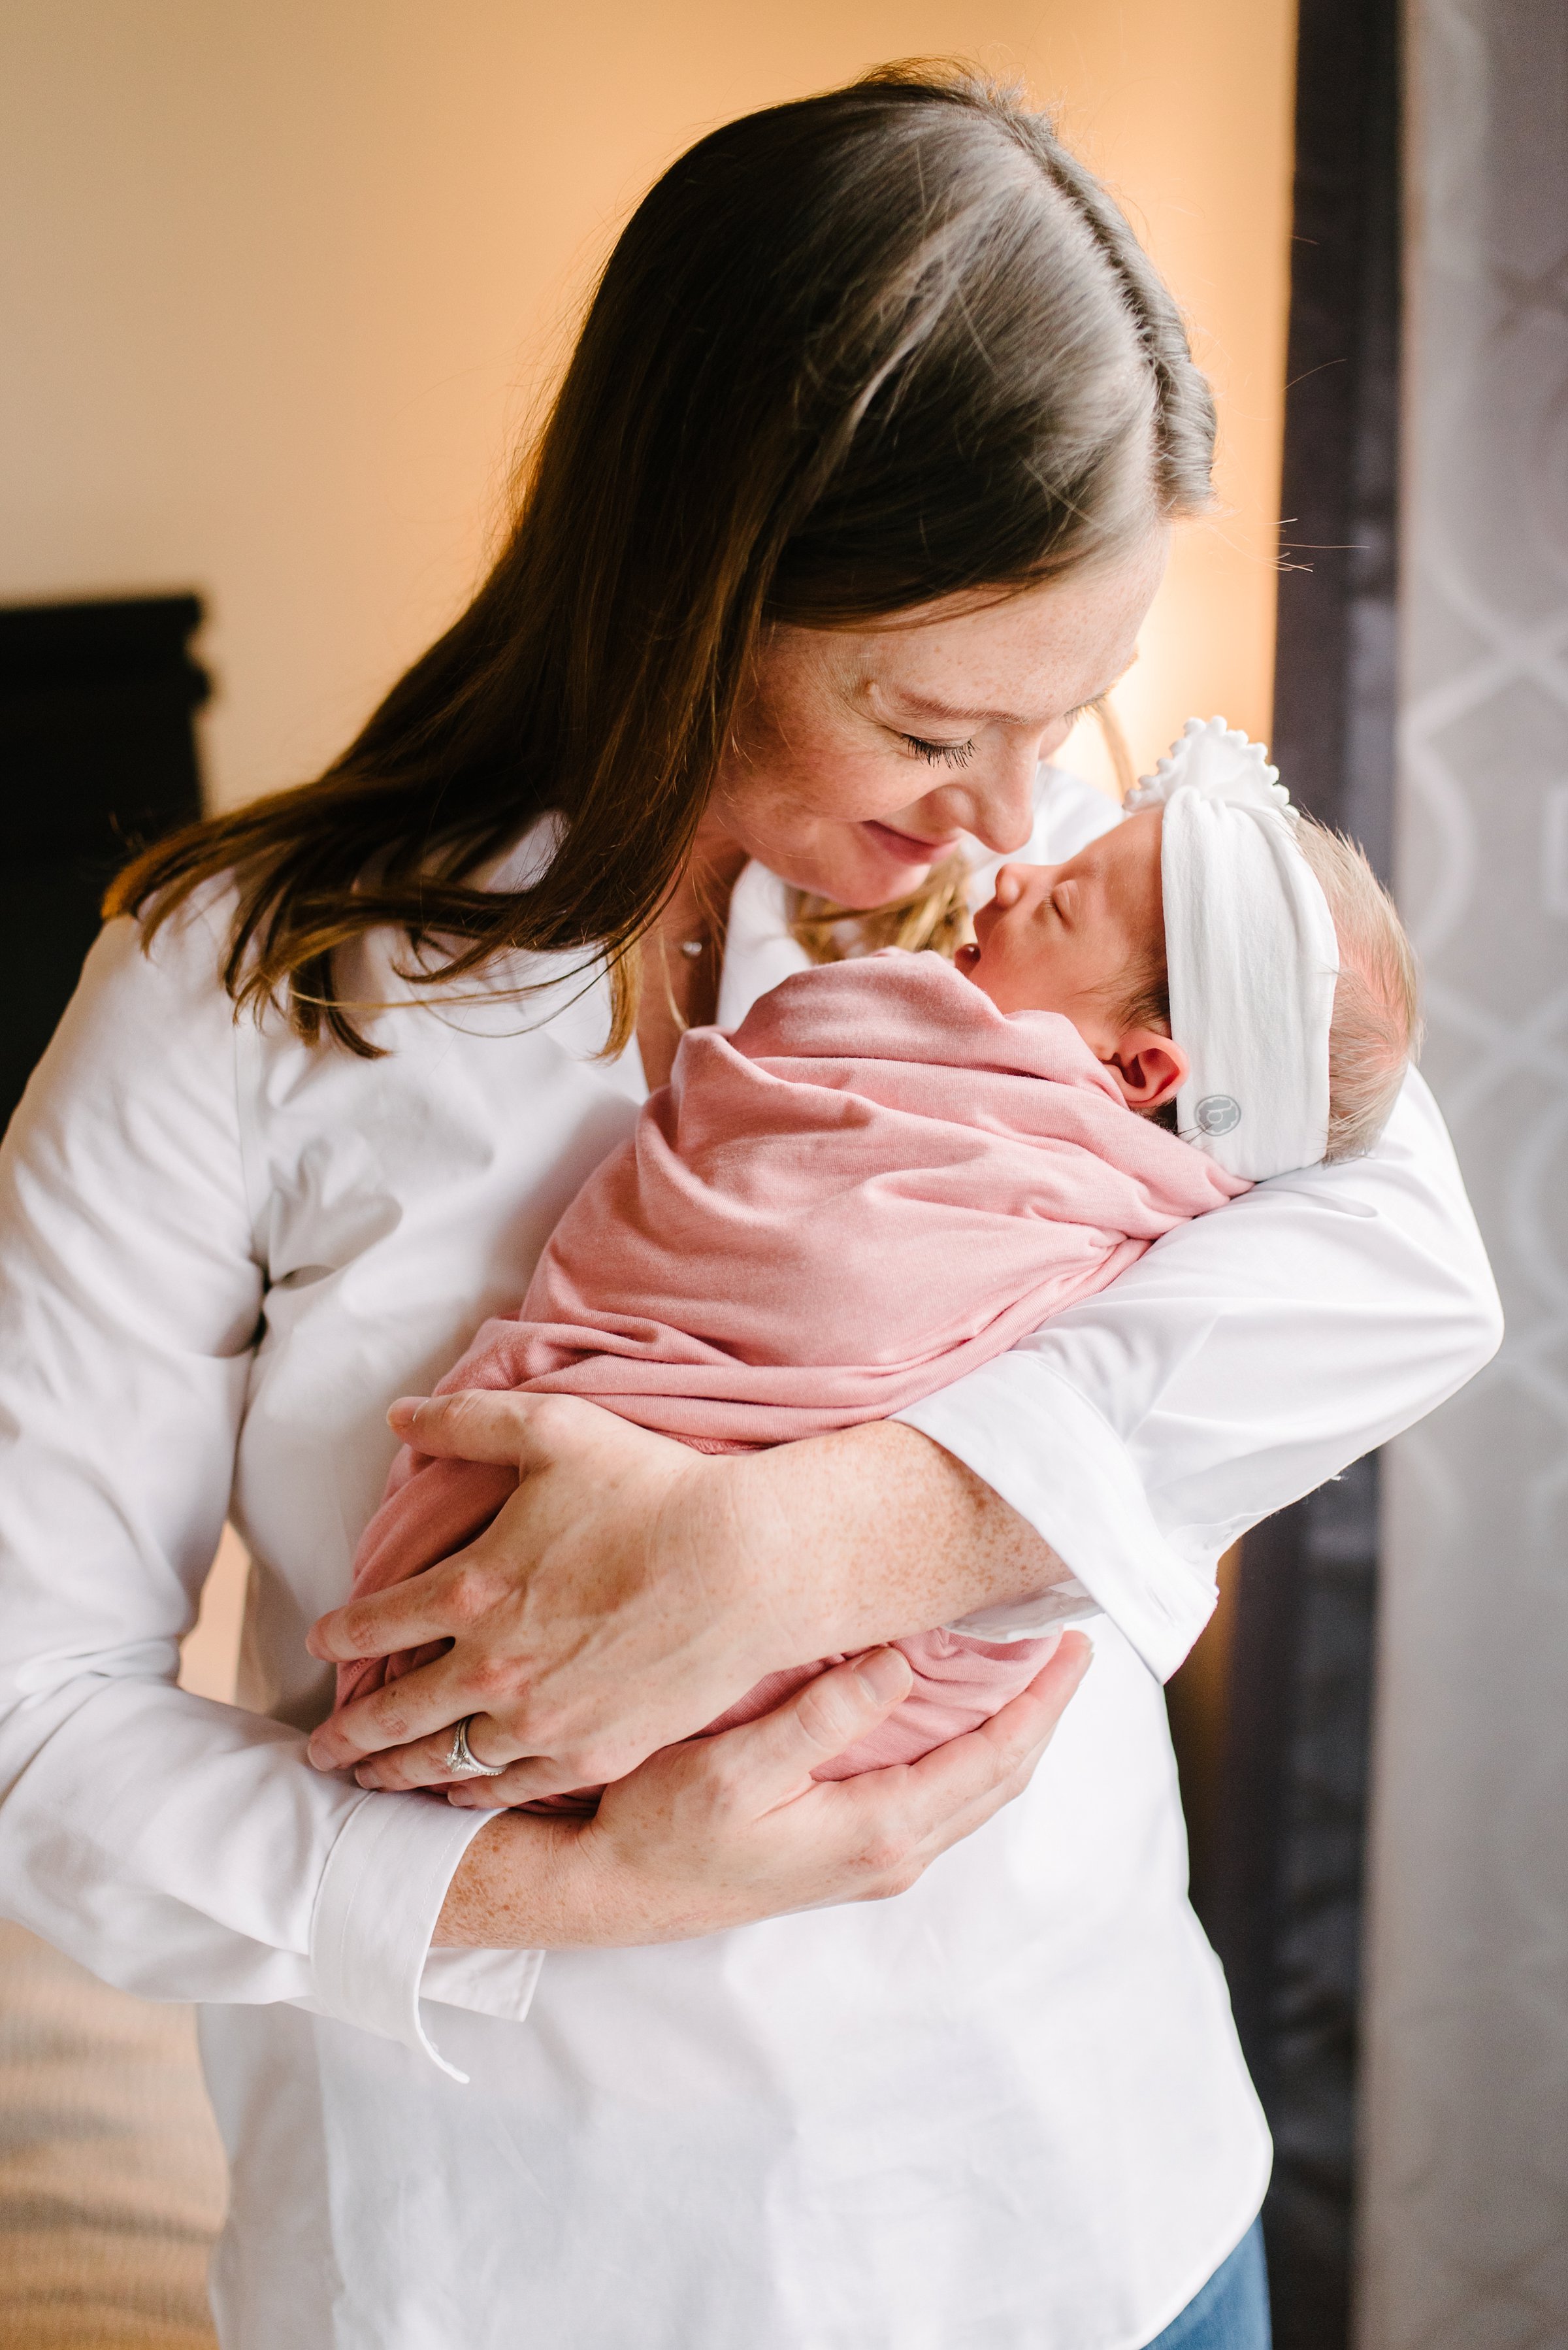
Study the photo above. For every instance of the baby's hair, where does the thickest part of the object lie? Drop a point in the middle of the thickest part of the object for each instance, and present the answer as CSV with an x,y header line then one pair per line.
x,y
1376,1028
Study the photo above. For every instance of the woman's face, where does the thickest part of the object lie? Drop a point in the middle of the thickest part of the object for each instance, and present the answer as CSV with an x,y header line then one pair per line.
x,y
861,754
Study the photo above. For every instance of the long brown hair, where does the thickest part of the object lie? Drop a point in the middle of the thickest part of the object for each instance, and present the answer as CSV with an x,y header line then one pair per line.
x,y
850,355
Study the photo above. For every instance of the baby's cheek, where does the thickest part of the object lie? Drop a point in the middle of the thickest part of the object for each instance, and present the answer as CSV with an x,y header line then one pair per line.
x,y
1010,984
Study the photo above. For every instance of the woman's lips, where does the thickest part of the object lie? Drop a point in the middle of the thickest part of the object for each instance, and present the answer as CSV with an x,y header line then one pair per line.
x,y
905,846
966,959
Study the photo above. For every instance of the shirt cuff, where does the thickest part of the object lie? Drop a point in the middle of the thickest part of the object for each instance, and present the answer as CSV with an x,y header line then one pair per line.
x,y
375,1908
1035,1439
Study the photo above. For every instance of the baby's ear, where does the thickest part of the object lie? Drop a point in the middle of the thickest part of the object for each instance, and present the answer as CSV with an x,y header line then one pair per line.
x,y
1150,1068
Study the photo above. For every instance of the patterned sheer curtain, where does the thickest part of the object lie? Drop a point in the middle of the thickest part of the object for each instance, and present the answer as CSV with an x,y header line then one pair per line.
x,y
1465,2117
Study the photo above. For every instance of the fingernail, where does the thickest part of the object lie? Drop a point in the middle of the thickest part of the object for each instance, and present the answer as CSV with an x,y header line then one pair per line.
x,y
405,1408
883,1674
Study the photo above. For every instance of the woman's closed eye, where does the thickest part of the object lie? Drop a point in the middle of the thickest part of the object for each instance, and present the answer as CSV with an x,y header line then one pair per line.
x,y
939,754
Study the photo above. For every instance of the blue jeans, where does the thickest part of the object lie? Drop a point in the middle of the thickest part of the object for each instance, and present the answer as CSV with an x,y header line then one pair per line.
x,y
1231,2312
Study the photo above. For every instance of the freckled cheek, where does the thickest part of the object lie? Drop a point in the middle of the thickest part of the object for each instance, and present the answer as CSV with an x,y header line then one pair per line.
x,y
857,786
800,749
807,821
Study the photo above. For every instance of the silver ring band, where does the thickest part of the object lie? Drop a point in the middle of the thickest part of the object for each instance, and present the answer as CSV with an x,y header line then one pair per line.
x,y
462,1761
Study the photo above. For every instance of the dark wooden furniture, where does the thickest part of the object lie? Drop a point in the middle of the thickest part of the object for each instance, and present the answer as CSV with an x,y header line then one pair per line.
x,y
97,757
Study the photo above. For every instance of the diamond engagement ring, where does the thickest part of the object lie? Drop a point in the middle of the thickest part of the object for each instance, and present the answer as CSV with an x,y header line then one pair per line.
x,y
460,1759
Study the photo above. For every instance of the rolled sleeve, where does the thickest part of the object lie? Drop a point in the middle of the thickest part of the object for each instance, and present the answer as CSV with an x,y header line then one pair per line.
x,y
1244,1361
1038,1441
375,1908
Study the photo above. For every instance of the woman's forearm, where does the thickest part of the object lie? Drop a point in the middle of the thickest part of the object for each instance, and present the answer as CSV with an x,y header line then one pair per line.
x,y
675,1848
719,1832
514,1889
879,1531
631,1590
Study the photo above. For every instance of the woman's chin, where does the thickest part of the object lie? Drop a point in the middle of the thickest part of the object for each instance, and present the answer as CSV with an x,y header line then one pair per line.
x,y
860,885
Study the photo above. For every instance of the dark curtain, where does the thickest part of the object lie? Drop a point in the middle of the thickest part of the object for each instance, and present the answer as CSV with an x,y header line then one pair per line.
x,y
1284,1890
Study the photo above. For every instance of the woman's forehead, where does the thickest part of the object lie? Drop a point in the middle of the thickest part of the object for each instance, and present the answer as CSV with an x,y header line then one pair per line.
x,y
1024,658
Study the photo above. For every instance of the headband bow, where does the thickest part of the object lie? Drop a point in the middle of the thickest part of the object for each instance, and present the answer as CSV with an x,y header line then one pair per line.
x,y
1251,953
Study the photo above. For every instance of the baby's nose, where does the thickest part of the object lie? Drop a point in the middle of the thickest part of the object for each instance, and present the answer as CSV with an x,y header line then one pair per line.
x,y
1012,880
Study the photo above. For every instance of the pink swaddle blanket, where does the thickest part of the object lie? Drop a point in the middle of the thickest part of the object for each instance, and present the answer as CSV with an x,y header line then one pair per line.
x,y
877,1183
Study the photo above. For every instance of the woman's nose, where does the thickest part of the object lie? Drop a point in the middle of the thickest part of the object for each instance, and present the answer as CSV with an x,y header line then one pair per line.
x,y
1003,805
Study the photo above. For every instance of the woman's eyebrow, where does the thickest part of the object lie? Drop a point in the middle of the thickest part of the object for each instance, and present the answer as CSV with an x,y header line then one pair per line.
x,y
930,705
925,705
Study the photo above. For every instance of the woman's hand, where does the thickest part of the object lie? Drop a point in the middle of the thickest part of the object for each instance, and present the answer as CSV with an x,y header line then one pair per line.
x,y
632,1589
726,1830
594,1620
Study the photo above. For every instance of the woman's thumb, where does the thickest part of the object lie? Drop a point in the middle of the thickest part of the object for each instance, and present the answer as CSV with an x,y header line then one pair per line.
x,y
783,1748
839,1707
471,1424
886,1676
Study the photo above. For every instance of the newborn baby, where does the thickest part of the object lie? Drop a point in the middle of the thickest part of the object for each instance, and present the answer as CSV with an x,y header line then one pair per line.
x,y
897,1167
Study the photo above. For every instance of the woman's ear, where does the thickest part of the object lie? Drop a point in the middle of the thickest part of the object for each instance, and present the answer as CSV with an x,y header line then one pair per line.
x,y
1150,1068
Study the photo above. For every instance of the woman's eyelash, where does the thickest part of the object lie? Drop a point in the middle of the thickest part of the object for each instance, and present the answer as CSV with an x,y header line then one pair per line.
x,y
940,754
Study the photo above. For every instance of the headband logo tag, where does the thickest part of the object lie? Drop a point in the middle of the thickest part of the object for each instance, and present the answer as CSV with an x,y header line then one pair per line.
x,y
1218,1114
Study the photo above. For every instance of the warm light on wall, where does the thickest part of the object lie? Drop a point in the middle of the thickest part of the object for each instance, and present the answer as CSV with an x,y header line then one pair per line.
x,y
1187,113
290,283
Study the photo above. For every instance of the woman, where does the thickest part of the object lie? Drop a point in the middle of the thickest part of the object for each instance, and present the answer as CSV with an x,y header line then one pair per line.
x,y
856,492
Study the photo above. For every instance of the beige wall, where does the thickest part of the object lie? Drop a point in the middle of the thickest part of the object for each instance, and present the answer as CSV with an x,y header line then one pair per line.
x,y
283,279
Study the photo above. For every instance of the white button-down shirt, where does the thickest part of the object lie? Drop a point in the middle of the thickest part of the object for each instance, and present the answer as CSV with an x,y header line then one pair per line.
x,y
1006,2109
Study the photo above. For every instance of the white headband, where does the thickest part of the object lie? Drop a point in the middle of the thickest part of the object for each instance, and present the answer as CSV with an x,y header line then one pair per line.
x,y
1250,947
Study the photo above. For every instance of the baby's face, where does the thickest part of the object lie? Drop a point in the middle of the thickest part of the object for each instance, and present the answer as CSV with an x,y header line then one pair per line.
x,y
1058,938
